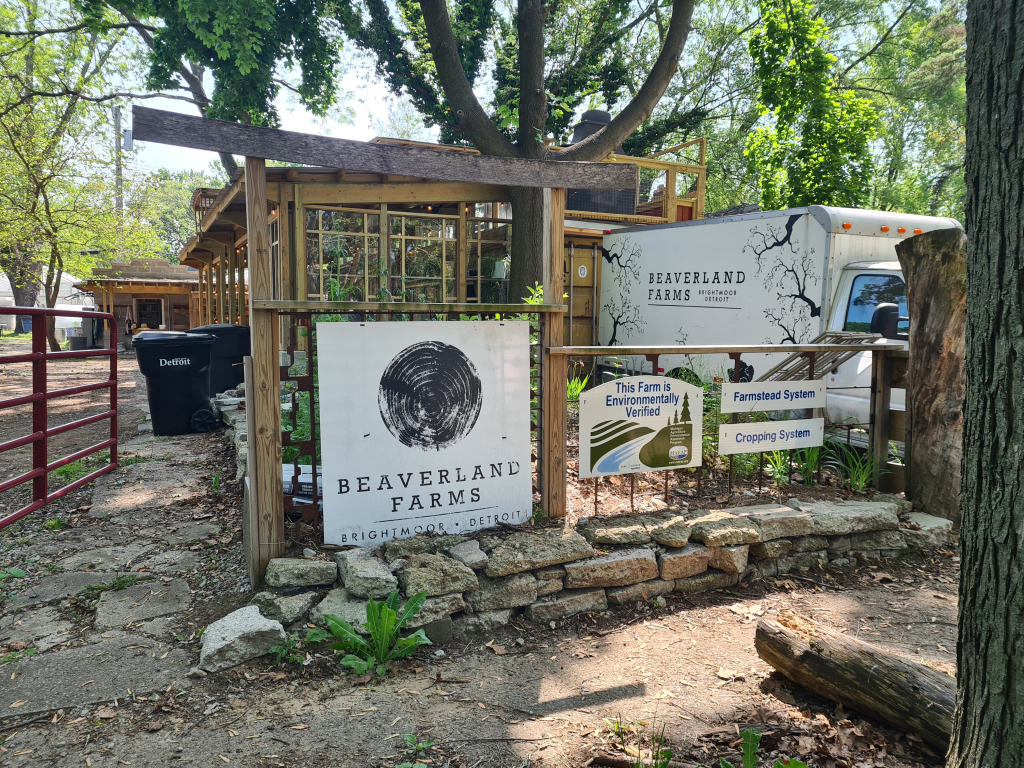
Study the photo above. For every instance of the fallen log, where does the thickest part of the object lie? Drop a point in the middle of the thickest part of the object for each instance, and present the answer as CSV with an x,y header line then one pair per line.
x,y
908,696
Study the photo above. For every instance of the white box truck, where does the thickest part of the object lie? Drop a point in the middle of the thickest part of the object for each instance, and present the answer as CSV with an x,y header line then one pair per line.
x,y
772,277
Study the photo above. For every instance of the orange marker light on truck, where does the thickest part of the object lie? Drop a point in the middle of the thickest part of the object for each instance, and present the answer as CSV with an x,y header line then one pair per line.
x,y
902,230
918,231
847,225
885,229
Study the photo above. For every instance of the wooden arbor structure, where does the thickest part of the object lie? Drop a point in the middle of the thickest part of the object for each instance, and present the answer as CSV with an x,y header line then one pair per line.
x,y
383,174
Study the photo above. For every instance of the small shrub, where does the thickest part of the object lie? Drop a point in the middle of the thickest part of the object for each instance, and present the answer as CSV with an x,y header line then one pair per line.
x,y
384,624
751,740
778,468
808,461
287,651
858,468
575,387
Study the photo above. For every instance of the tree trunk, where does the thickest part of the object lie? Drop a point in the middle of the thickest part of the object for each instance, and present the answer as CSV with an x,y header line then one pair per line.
x,y
528,236
988,729
23,274
908,696
934,265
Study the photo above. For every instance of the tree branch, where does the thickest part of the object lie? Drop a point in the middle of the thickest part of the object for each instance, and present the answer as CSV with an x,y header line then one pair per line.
x,y
881,40
471,117
601,144
34,33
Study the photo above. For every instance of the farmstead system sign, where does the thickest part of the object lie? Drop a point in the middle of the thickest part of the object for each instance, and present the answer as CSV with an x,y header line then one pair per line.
x,y
640,424
755,436
425,427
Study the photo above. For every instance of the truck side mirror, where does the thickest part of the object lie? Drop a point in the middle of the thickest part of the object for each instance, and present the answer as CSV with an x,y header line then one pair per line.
x,y
885,320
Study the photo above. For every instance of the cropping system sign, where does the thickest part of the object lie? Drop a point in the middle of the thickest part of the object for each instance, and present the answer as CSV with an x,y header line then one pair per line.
x,y
425,427
640,424
761,396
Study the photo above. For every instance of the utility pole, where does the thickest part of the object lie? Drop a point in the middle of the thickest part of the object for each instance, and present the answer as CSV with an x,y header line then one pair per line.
x,y
119,199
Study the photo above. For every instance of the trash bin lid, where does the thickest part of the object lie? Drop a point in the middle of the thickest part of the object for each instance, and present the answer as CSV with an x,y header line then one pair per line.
x,y
171,339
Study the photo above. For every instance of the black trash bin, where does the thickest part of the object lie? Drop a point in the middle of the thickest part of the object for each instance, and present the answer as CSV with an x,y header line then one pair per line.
x,y
231,345
177,370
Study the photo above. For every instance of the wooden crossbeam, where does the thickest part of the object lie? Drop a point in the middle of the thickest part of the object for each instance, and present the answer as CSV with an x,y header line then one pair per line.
x,y
253,141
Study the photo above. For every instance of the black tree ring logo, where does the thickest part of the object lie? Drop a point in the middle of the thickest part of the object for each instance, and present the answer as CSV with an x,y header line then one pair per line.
x,y
430,396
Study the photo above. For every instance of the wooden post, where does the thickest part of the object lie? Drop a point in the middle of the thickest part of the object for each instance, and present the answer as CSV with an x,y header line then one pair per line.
x,y
462,262
232,294
209,291
243,307
881,396
264,399
221,292
285,264
551,444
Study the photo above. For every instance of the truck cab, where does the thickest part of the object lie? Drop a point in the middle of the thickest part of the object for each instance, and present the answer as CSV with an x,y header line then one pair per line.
x,y
860,288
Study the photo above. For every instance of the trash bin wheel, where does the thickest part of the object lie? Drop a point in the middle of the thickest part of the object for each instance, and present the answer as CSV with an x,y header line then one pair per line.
x,y
203,421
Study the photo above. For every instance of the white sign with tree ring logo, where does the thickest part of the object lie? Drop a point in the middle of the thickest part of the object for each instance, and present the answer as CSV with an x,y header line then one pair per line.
x,y
424,426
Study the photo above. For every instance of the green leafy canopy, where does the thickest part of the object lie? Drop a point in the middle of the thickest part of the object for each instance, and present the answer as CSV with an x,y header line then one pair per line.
x,y
813,146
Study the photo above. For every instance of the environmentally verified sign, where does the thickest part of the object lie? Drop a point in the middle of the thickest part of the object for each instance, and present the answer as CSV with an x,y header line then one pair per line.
x,y
755,436
772,396
640,424
425,426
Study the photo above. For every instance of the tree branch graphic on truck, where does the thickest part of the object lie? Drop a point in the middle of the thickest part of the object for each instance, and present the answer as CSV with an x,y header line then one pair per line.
x,y
788,270
625,271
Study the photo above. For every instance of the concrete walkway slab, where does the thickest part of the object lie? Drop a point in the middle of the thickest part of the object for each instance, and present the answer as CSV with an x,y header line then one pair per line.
x,y
42,628
120,664
141,602
107,558
57,587
146,485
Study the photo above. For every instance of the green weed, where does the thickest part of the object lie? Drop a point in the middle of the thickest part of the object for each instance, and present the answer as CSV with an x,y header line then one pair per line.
x,y
808,462
215,482
71,472
575,387
116,584
54,523
287,651
858,468
751,740
384,624
778,468
660,755
10,658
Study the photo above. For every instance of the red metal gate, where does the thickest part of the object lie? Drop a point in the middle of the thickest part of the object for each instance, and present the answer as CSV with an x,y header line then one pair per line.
x,y
40,398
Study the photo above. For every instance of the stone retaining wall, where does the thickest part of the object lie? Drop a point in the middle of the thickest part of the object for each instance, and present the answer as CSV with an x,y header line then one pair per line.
x,y
552,573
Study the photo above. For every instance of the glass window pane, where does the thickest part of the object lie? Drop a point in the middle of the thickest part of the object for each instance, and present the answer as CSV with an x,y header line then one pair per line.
x,y
422,258
373,223
492,292
313,249
312,219
418,227
373,269
346,221
396,225
422,290
327,220
868,292
448,230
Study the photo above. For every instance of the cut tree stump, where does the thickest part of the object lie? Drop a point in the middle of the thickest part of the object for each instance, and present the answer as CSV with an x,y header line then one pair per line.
x,y
935,267
911,697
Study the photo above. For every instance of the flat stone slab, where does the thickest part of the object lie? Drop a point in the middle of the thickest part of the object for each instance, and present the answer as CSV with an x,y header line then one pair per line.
x,y
291,572
927,531
420,545
705,582
189,533
618,530
174,561
729,559
550,573
364,574
775,521
850,516
286,609
877,540
800,561
615,569
644,591
503,592
238,637
671,530
567,603
42,628
479,625
526,551
684,562
343,605
436,575
120,663
107,558
434,609
809,544
146,485
768,550
469,554
141,602
57,587
722,529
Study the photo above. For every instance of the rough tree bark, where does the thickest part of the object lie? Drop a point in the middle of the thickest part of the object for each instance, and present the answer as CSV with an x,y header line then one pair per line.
x,y
864,677
934,265
988,729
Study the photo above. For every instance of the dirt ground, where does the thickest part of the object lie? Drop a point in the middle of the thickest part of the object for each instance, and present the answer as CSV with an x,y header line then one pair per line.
x,y
527,696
